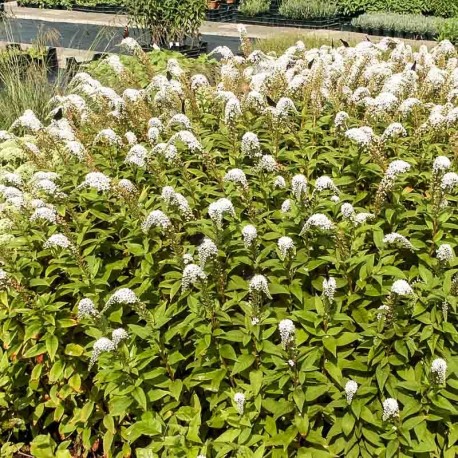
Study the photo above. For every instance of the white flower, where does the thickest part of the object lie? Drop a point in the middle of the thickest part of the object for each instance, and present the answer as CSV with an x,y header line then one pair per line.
x,y
236,176
250,146
45,176
122,296
449,181
207,250
130,44
216,210
29,121
329,288
131,138
189,139
341,119
350,390
11,178
171,197
96,180
75,148
192,275
57,241
445,253
127,186
279,182
397,239
402,288
254,100
439,370
258,284
396,167
101,345
48,186
347,210
115,63
408,105
287,332
180,119
37,203
299,186
441,164
291,362
118,335
44,213
325,182
284,106
232,111
156,218
4,136
86,309
157,123
361,218
360,135
267,163
239,399
108,136
137,155
187,258
249,234
394,130
286,206
335,199
224,52
3,277
153,135
382,311
31,147
390,409
198,81
132,95
318,221
286,246
173,67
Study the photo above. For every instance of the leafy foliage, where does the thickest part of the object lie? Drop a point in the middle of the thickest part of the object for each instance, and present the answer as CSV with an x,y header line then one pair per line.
x,y
239,345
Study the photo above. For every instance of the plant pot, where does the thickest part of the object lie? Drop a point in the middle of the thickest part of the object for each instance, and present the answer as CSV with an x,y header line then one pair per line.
x,y
213,4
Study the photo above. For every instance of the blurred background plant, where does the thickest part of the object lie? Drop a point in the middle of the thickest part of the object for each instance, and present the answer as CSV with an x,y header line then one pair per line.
x,y
254,7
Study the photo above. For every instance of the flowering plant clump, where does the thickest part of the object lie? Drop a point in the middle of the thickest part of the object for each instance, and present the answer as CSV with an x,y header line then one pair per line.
x,y
255,259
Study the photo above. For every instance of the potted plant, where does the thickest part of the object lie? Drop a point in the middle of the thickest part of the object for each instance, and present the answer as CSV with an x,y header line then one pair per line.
x,y
163,23
213,4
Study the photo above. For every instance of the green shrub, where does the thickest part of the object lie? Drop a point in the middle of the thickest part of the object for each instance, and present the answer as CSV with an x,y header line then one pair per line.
x,y
308,9
398,6
142,316
412,23
444,8
449,30
254,7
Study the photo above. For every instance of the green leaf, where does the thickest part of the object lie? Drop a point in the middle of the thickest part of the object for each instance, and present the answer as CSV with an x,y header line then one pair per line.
x,y
52,343
244,362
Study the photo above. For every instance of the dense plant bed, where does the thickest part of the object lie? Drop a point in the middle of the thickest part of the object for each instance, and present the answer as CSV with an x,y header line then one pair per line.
x,y
399,25
277,20
103,6
254,262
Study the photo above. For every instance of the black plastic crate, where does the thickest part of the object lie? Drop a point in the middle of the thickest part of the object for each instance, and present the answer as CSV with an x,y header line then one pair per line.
x,y
225,13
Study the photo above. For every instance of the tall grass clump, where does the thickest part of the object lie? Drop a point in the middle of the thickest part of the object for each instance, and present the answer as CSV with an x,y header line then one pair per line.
x,y
26,81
